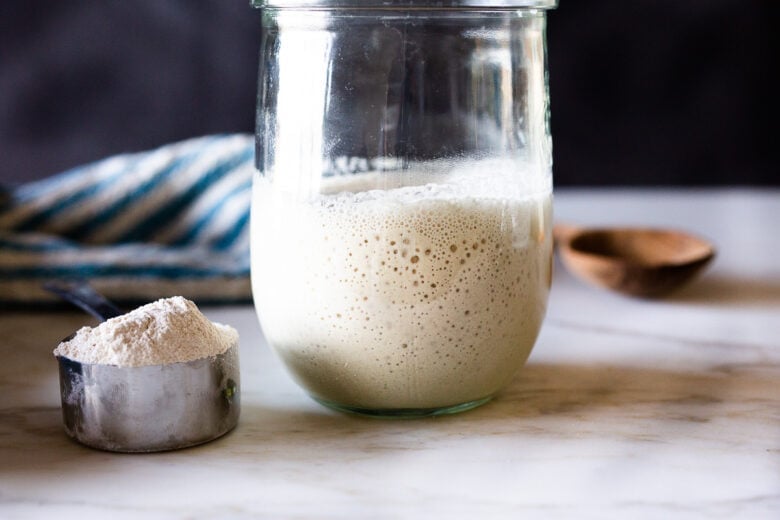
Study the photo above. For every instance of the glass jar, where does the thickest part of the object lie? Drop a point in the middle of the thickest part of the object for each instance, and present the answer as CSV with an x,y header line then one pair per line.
x,y
401,213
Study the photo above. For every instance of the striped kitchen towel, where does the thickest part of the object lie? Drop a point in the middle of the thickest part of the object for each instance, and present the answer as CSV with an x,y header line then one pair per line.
x,y
141,226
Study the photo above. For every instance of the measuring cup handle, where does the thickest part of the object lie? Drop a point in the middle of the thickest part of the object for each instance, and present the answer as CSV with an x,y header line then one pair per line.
x,y
83,296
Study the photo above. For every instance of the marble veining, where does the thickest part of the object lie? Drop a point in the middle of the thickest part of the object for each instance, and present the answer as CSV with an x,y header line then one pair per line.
x,y
626,409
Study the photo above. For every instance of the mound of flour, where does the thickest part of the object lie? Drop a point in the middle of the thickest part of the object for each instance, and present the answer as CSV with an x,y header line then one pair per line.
x,y
170,330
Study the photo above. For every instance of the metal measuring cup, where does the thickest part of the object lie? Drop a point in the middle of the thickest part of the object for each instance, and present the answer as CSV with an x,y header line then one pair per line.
x,y
147,408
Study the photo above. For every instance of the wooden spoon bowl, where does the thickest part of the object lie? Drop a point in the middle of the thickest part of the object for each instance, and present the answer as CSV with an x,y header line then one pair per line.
x,y
635,261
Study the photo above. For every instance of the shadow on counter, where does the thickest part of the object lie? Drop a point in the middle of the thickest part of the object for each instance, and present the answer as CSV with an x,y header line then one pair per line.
x,y
545,401
556,400
723,290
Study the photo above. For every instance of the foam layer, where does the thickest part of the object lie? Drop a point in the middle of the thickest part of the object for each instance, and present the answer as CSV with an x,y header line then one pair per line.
x,y
412,297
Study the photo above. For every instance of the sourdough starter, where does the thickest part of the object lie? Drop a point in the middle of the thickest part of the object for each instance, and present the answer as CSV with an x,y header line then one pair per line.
x,y
413,297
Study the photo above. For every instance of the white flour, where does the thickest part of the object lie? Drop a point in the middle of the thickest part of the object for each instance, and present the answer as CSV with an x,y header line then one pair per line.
x,y
170,330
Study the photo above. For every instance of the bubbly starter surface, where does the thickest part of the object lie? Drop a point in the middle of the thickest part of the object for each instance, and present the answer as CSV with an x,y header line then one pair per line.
x,y
412,297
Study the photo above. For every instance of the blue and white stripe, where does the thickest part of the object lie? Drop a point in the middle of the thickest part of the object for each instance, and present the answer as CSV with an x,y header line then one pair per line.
x,y
174,220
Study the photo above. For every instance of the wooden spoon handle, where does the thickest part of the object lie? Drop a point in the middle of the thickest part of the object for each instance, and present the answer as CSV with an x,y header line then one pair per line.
x,y
563,233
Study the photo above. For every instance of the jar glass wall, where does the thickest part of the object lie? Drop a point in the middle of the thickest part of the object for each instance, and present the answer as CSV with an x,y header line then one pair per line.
x,y
401,212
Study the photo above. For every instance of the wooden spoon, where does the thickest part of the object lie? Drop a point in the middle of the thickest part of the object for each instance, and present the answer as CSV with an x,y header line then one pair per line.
x,y
635,261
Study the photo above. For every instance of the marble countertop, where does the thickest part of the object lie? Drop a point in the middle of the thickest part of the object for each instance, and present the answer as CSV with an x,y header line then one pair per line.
x,y
626,409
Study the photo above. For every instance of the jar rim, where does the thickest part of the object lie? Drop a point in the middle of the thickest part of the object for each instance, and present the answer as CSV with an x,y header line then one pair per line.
x,y
406,4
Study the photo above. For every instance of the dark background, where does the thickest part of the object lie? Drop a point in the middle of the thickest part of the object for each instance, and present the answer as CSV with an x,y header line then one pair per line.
x,y
644,92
